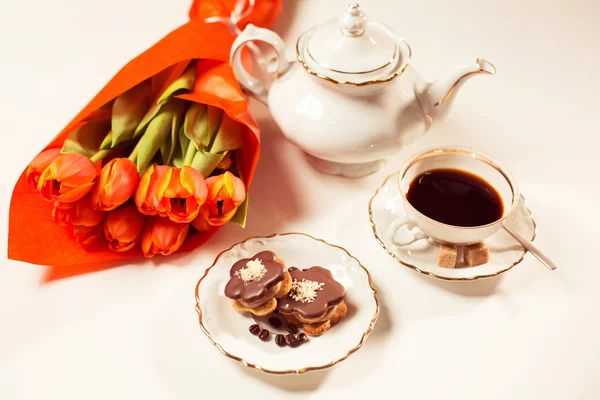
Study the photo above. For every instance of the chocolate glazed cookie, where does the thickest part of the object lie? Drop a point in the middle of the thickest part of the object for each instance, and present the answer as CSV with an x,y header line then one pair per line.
x,y
315,301
255,283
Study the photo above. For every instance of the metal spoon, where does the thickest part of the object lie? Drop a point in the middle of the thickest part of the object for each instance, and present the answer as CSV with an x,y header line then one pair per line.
x,y
527,245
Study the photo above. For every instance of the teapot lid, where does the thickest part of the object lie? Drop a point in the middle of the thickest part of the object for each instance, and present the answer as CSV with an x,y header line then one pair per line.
x,y
353,47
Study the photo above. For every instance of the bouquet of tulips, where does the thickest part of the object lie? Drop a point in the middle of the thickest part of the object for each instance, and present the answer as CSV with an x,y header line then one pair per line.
x,y
157,162
145,171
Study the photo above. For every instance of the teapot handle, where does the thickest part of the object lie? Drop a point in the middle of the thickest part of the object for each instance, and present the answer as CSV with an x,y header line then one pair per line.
x,y
253,33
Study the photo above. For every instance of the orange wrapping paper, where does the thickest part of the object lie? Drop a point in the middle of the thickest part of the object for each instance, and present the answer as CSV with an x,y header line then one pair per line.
x,y
34,237
257,12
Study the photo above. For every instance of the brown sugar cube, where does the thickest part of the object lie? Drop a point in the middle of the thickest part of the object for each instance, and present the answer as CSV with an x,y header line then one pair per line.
x,y
476,254
447,256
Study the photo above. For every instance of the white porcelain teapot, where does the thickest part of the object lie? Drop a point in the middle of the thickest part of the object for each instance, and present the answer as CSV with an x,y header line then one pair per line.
x,y
352,98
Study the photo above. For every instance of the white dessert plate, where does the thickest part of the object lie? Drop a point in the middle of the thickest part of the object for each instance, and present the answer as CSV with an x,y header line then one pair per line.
x,y
228,331
389,227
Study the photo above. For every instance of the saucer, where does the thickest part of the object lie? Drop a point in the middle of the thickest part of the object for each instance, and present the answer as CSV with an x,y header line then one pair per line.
x,y
386,212
227,329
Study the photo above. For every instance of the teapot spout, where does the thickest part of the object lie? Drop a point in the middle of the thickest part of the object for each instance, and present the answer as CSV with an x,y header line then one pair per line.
x,y
436,97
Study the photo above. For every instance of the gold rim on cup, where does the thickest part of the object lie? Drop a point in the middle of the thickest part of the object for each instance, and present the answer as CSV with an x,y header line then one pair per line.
x,y
467,152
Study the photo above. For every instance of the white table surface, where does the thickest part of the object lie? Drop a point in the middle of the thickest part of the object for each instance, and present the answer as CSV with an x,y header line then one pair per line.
x,y
132,332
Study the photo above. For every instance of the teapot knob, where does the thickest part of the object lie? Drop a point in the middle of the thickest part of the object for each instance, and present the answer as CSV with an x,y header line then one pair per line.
x,y
353,21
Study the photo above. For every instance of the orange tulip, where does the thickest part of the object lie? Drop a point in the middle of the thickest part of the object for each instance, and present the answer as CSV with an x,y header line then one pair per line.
x,y
68,178
62,213
39,164
225,194
145,194
85,235
201,224
181,193
115,185
162,236
80,212
123,227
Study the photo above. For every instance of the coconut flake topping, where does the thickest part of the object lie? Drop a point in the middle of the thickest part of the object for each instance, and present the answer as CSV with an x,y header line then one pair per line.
x,y
305,291
253,271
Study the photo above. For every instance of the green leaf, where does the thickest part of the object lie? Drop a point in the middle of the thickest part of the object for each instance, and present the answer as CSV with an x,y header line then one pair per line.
x,y
195,126
180,150
150,114
87,138
229,136
184,141
201,124
168,148
107,142
206,162
128,111
215,116
158,131
165,150
240,215
184,83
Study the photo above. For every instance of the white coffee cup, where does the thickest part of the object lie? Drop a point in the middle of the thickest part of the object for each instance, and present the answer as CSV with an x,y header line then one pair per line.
x,y
469,160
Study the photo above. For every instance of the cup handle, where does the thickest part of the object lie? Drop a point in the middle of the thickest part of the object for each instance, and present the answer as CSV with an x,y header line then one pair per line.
x,y
412,230
253,33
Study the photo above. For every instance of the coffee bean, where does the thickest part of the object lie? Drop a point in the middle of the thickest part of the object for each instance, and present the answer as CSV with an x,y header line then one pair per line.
x,y
302,337
264,335
280,340
275,322
291,340
294,342
290,269
254,329
291,328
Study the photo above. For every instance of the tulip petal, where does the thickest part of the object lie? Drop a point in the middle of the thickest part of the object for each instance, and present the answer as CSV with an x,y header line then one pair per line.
x,y
194,183
37,166
235,187
82,213
201,224
75,194
162,236
146,193
116,184
123,227
226,193
86,235
73,169
62,213
45,158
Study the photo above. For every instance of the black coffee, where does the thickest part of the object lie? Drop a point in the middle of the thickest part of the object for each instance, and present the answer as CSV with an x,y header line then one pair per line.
x,y
455,197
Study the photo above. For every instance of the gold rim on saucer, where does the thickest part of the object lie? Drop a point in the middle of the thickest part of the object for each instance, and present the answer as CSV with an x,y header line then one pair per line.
x,y
431,274
301,370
